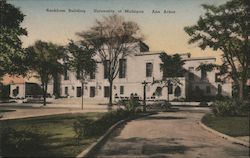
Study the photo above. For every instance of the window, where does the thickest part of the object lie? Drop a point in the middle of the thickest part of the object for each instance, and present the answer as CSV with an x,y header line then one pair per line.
x,y
78,91
92,92
208,89
66,77
170,89
149,69
203,74
121,89
217,77
92,75
177,91
106,91
15,91
122,68
106,68
158,91
66,90
191,73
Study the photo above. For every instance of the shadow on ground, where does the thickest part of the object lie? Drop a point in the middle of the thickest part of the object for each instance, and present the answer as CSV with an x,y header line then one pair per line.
x,y
157,147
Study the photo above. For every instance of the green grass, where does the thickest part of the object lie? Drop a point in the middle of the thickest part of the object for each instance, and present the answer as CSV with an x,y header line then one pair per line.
x,y
229,125
6,110
45,136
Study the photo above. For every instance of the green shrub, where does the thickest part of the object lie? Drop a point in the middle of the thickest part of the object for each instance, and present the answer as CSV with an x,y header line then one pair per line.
x,y
230,108
98,127
131,105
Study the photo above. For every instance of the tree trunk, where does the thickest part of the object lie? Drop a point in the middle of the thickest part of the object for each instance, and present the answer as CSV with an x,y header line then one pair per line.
x,y
110,95
45,87
56,85
241,89
82,93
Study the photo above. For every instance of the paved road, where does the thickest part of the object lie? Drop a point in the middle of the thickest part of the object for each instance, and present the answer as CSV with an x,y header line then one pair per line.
x,y
171,135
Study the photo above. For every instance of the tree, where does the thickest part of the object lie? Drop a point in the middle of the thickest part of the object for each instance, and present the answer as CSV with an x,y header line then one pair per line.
x,y
11,51
43,59
113,38
81,61
226,28
171,68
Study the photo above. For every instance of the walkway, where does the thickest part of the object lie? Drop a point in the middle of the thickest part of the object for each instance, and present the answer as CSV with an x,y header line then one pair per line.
x,y
171,135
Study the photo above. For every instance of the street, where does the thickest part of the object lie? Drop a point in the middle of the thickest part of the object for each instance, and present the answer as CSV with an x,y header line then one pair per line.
x,y
170,134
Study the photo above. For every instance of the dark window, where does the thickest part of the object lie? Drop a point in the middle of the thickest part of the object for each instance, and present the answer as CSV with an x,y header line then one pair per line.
x,y
15,91
66,77
92,92
217,77
78,91
170,89
149,69
158,91
208,89
191,73
121,89
122,68
106,68
92,75
203,74
177,91
66,91
106,91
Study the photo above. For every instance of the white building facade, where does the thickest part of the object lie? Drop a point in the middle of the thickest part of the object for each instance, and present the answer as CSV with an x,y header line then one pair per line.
x,y
145,66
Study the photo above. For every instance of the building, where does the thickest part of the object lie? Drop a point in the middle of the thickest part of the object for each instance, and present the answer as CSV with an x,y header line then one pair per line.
x,y
22,88
142,66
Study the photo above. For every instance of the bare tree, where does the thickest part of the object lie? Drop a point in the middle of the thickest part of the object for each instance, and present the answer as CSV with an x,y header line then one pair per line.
x,y
112,38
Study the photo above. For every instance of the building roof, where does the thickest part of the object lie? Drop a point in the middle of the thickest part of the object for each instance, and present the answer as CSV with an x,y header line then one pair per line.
x,y
18,80
200,58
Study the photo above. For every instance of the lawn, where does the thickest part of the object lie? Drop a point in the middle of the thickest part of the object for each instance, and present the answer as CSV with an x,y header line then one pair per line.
x,y
47,136
231,125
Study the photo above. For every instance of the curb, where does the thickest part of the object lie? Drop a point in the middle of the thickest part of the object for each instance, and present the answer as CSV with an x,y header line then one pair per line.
x,y
87,152
227,137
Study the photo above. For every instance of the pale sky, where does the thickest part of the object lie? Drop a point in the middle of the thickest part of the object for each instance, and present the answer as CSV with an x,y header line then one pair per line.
x,y
162,31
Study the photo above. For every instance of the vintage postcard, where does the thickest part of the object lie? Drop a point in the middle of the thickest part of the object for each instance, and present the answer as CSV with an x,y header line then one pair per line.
x,y
134,78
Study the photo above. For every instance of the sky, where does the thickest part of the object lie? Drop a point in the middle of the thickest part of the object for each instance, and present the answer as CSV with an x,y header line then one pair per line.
x,y
162,31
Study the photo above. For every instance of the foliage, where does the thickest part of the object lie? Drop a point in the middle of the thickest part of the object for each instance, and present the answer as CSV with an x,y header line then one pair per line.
x,y
43,58
226,28
230,108
132,105
172,65
113,38
11,51
81,58
21,142
98,127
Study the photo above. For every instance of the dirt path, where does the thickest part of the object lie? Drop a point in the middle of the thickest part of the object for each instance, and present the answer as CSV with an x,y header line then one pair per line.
x,y
174,135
